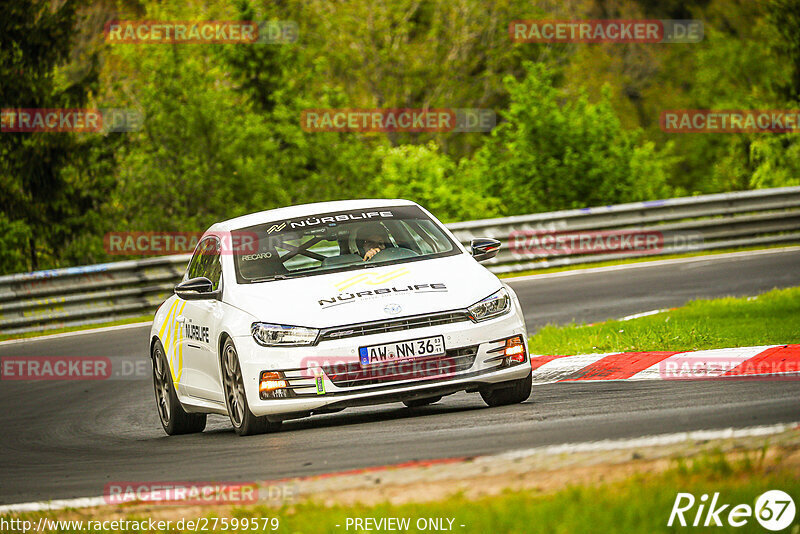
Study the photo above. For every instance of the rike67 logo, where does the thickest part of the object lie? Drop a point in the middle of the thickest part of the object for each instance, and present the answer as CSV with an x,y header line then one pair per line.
x,y
774,510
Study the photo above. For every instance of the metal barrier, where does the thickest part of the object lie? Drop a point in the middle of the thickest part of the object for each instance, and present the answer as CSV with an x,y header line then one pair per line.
x,y
45,300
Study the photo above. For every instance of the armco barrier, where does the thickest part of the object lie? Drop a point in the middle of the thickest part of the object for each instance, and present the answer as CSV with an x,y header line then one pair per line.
x,y
45,300
760,217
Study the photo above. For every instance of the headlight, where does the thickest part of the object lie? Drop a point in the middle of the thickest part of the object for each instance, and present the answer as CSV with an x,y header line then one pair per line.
x,y
492,306
271,335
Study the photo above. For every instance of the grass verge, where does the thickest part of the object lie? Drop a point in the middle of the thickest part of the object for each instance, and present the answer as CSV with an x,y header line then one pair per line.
x,y
770,318
639,503
641,259
25,335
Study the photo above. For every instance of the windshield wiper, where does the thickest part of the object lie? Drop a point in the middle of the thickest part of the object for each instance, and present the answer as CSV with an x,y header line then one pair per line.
x,y
270,278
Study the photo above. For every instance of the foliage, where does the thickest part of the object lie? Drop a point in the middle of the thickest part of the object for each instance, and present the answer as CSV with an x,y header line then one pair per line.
x,y
425,175
48,191
770,318
578,123
553,153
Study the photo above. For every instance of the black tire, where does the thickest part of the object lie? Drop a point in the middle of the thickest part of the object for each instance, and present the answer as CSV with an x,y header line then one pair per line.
x,y
173,417
512,392
242,419
418,403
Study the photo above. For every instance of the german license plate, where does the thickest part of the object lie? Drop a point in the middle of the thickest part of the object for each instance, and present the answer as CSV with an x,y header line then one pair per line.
x,y
401,350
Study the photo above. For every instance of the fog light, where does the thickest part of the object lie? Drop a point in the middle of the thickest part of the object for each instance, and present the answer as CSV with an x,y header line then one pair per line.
x,y
273,385
514,350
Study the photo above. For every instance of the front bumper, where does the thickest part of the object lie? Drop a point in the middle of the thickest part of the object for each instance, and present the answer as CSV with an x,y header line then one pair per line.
x,y
317,385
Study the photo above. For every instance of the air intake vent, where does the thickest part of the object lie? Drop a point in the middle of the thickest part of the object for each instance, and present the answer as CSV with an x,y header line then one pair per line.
x,y
393,325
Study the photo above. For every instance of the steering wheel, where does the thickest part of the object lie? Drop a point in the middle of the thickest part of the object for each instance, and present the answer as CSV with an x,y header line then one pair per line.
x,y
393,253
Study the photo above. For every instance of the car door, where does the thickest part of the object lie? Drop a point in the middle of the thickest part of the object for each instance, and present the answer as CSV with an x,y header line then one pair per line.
x,y
199,319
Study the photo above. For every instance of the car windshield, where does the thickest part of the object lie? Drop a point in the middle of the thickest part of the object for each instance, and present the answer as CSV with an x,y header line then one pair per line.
x,y
339,241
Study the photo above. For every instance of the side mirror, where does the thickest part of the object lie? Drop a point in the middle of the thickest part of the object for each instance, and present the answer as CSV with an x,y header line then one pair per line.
x,y
484,248
196,289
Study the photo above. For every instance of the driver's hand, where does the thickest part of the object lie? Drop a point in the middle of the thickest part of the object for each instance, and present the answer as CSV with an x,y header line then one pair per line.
x,y
371,252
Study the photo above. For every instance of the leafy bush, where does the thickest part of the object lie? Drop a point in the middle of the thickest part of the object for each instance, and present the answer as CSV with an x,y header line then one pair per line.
x,y
425,175
552,153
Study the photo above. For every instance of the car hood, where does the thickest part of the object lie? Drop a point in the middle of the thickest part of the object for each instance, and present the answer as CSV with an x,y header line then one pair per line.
x,y
387,292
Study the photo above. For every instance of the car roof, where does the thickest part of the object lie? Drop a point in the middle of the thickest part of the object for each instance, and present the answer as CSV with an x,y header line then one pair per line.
x,y
301,210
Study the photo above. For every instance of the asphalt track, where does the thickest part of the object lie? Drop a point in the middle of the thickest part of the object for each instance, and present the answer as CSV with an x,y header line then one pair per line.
x,y
69,439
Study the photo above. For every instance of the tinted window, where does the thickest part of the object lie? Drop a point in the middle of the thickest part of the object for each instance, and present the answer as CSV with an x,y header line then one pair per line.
x,y
206,262
340,241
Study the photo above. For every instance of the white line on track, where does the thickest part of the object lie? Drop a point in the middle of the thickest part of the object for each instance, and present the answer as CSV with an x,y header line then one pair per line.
x,y
76,333
643,314
656,263
40,506
645,441
565,448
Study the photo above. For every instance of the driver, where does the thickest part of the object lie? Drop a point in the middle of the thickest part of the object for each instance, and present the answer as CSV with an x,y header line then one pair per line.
x,y
371,239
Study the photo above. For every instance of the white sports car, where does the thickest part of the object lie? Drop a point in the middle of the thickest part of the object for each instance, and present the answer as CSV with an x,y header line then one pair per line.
x,y
311,309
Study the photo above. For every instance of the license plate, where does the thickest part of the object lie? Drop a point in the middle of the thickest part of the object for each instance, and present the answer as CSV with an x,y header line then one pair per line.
x,y
402,350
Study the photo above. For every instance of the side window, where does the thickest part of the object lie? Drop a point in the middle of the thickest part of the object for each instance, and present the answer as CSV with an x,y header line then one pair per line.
x,y
194,265
427,237
206,262
422,245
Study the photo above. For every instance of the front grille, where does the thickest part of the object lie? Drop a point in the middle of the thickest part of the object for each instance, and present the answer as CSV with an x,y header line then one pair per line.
x,y
348,375
393,325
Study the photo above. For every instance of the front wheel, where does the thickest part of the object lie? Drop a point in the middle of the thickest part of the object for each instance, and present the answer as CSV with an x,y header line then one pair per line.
x,y
242,419
512,392
174,418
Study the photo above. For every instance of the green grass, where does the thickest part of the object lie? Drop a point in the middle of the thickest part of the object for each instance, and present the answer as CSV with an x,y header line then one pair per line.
x,y
771,318
640,259
131,320
640,504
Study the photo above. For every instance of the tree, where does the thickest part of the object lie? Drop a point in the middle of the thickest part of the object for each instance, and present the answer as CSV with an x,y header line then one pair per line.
x,y
426,176
552,153
47,197
783,17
